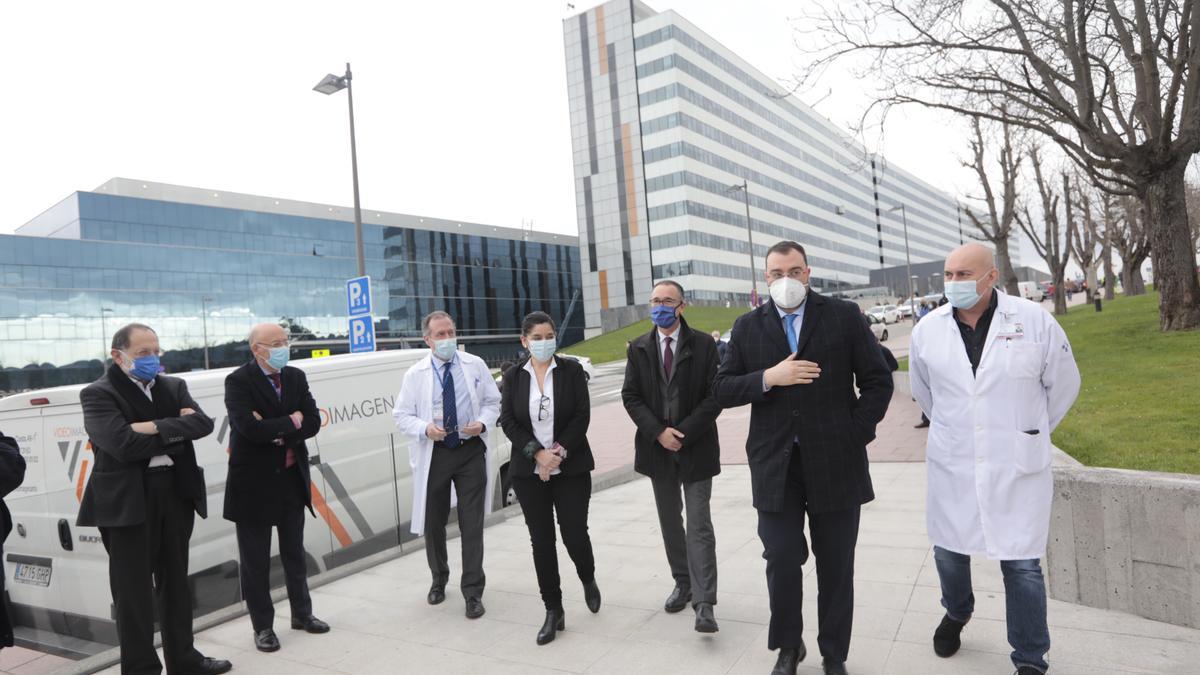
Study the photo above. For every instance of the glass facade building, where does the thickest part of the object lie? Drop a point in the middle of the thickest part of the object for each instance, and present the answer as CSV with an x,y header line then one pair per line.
x,y
203,266
664,120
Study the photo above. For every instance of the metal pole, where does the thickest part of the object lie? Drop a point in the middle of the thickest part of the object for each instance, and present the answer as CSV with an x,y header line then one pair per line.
x,y
750,238
204,323
912,303
358,235
103,336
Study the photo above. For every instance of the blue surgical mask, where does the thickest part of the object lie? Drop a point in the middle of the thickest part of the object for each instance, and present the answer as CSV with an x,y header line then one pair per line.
x,y
278,357
444,349
144,368
543,350
962,294
663,316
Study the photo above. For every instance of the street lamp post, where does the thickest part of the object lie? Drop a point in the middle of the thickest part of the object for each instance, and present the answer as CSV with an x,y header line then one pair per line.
x,y
907,256
104,335
329,85
745,188
204,323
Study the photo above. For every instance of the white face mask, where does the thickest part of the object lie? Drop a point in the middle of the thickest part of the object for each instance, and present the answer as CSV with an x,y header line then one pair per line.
x,y
788,293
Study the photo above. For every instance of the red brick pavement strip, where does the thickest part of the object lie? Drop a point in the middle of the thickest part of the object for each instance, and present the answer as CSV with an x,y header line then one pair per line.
x,y
611,435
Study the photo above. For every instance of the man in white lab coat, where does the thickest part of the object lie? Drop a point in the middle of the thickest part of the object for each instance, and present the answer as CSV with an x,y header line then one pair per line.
x,y
995,374
448,404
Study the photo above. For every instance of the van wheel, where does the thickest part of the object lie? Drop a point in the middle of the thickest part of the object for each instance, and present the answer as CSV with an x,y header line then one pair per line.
x,y
508,495
885,336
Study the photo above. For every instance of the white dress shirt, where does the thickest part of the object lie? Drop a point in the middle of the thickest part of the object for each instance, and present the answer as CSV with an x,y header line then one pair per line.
x,y
543,430
662,348
145,387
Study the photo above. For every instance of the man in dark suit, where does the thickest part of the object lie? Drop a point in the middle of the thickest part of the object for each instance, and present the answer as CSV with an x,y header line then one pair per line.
x,y
797,359
668,394
12,473
271,415
721,346
143,496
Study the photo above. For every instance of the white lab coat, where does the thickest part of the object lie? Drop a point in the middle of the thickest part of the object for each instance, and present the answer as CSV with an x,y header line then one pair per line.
x,y
989,482
414,413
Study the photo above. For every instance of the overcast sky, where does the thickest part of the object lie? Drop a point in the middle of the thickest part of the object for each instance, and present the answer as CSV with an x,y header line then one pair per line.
x,y
461,107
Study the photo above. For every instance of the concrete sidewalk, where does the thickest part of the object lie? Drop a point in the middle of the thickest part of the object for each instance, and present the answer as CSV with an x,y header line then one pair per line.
x,y
381,623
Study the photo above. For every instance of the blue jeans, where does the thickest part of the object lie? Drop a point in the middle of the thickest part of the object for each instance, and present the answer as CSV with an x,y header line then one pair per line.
x,y
1025,602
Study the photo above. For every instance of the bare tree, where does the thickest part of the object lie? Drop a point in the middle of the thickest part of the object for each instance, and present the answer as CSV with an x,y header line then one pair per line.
x,y
1050,242
1114,83
997,225
1132,242
1107,205
1085,237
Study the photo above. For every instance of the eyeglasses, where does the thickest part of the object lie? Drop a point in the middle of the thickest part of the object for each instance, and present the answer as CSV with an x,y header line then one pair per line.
x,y
665,302
795,273
543,408
143,353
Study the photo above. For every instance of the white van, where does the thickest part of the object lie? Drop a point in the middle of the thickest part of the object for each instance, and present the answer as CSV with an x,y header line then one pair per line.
x,y
1031,290
361,482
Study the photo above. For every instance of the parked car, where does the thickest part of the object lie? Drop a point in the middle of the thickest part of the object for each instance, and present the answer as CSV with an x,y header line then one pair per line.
x,y
878,327
361,482
589,371
885,313
906,310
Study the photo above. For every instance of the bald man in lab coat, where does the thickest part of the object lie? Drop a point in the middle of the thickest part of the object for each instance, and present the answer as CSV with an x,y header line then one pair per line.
x,y
995,374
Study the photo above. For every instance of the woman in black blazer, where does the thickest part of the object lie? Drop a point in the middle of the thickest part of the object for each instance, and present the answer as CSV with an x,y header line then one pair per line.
x,y
545,411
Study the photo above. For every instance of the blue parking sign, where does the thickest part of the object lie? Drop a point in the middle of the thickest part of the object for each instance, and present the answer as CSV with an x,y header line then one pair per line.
x,y
358,296
362,334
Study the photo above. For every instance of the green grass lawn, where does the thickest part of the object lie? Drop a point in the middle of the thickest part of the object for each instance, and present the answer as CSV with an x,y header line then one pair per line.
x,y
611,346
1139,407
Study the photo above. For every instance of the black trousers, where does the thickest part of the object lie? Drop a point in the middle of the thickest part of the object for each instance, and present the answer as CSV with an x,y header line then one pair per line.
x,y
254,549
464,467
568,496
834,536
148,568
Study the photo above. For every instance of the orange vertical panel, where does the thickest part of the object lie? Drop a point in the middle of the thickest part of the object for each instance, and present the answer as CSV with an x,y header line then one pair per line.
x,y
630,193
601,42
603,289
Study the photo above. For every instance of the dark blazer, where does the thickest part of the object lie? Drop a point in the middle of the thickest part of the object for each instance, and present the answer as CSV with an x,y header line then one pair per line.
x,y
255,485
833,423
572,414
688,396
12,473
114,496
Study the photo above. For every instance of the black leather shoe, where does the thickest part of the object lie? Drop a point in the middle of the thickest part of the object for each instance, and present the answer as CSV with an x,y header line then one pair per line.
x,y
945,639
214,666
555,621
789,659
678,599
833,667
474,608
921,425
591,594
1028,670
310,624
705,621
266,641
437,594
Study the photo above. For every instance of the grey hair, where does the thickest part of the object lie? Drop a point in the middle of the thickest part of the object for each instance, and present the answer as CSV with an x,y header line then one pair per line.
x,y
124,336
435,314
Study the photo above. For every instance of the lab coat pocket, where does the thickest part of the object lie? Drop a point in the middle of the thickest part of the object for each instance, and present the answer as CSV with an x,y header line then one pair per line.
x,y
1031,452
1025,358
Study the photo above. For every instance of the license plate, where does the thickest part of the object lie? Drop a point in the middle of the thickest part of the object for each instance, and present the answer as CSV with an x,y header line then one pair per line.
x,y
36,575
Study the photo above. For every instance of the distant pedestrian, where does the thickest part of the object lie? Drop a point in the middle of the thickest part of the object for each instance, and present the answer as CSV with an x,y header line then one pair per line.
x,y
988,457
721,346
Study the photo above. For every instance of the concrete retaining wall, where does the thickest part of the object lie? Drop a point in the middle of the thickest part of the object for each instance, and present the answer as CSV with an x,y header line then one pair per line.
x,y
1127,540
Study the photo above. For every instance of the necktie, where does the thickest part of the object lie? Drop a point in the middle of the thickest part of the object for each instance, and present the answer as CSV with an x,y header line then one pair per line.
x,y
277,382
789,320
449,409
668,359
